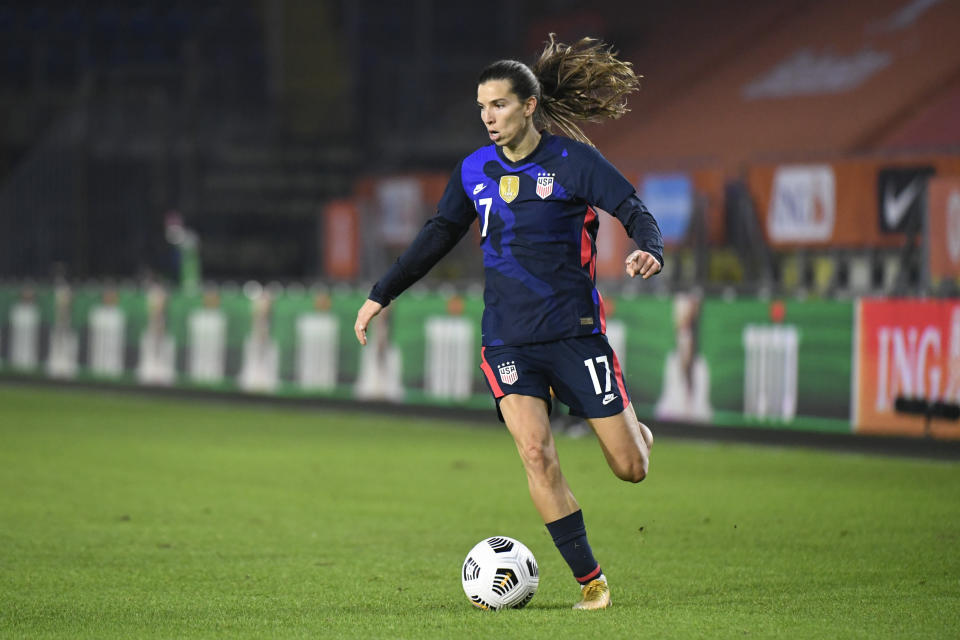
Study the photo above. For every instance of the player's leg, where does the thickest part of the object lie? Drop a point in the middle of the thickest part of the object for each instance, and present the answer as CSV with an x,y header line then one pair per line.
x,y
586,375
626,444
517,382
528,421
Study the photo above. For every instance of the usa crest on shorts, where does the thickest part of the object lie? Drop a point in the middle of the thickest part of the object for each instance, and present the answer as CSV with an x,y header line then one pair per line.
x,y
545,185
508,372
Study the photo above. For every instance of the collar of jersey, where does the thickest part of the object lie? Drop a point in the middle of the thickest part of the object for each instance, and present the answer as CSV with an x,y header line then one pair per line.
x,y
526,159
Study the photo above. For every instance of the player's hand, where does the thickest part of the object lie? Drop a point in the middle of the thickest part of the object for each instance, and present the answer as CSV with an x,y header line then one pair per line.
x,y
641,263
364,315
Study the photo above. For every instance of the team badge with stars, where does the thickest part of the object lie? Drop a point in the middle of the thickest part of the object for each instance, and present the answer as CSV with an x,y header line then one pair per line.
x,y
545,185
509,188
508,372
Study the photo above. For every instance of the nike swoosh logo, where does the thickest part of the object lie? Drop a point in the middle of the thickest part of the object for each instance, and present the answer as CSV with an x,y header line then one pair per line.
x,y
607,399
480,187
896,205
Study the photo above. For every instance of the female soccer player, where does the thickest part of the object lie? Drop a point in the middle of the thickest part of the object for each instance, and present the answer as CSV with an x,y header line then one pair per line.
x,y
533,195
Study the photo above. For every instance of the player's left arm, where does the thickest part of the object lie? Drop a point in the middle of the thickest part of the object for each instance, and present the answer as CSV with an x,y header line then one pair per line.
x,y
642,227
605,186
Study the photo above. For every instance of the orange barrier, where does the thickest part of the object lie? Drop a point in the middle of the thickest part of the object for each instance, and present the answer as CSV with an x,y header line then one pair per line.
x,y
341,241
397,205
943,218
708,192
709,186
835,205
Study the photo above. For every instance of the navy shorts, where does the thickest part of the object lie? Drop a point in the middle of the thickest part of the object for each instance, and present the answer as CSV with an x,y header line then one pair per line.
x,y
583,372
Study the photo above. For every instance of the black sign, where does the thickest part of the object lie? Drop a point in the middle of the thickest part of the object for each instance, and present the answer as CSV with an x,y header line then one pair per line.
x,y
900,198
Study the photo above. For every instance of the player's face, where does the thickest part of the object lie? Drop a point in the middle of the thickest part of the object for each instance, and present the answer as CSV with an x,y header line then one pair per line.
x,y
504,115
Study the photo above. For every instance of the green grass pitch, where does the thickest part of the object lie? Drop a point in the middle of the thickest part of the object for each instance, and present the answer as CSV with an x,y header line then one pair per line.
x,y
132,517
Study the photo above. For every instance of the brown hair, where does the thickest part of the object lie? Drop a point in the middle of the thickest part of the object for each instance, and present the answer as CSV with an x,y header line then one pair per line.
x,y
582,82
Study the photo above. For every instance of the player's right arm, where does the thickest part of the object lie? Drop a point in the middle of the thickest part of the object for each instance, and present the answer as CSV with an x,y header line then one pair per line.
x,y
438,236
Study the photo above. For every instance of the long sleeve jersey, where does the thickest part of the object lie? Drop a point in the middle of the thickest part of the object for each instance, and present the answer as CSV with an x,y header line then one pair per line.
x,y
538,227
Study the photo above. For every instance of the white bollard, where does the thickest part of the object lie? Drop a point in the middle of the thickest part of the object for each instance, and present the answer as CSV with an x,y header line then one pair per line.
x,y
24,336
449,357
106,332
157,358
62,360
770,372
317,351
207,345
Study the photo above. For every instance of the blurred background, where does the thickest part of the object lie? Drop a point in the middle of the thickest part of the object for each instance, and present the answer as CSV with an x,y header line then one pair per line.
x,y
798,150
247,119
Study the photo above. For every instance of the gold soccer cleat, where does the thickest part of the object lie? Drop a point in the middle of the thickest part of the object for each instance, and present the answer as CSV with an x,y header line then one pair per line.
x,y
596,595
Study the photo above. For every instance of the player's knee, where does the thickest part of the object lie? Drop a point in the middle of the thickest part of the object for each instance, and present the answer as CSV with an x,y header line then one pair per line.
x,y
634,475
633,469
538,458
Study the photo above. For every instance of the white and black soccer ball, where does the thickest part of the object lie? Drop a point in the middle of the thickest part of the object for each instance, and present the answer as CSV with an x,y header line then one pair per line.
x,y
500,573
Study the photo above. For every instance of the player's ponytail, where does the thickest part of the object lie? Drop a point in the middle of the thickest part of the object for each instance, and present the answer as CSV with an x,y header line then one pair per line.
x,y
583,82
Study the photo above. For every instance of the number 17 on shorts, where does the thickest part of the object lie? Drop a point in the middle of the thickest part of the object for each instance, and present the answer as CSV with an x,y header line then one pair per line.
x,y
606,387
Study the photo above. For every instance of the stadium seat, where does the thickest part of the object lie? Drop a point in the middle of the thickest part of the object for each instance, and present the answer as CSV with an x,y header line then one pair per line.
x,y
824,269
859,273
791,271
891,270
725,266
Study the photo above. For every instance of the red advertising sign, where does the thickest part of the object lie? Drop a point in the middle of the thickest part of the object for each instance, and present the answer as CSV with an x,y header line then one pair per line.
x,y
910,348
943,218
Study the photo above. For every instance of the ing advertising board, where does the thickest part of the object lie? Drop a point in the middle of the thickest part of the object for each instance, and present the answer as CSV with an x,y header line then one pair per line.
x,y
905,347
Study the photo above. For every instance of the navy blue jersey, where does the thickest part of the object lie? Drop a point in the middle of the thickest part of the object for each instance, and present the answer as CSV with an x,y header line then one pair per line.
x,y
538,227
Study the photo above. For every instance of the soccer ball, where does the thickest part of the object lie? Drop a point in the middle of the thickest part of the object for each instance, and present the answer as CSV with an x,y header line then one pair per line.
x,y
500,573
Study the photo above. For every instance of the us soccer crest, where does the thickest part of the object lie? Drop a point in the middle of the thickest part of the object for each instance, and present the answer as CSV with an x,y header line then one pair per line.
x,y
508,372
545,185
509,187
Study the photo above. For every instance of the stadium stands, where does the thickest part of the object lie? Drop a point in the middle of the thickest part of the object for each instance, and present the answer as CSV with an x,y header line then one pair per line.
x,y
247,119
930,124
787,80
